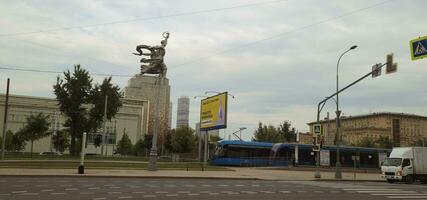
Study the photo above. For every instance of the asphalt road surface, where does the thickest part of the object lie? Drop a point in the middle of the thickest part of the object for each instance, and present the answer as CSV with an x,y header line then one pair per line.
x,y
91,188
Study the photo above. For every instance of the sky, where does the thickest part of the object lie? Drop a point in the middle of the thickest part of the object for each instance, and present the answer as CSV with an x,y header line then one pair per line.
x,y
278,58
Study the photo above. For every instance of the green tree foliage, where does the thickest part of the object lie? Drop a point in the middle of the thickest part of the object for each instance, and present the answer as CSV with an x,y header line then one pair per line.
x,y
61,140
384,142
74,92
214,138
97,99
287,132
268,133
141,148
14,142
182,140
36,127
283,133
367,142
97,140
124,146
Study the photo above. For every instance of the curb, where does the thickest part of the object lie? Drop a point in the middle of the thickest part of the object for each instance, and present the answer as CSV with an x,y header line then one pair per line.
x,y
123,176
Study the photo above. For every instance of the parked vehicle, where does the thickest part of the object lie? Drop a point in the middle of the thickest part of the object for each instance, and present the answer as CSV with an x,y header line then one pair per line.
x,y
406,164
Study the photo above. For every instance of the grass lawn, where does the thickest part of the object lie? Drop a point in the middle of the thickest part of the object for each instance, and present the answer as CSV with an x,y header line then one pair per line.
x,y
96,164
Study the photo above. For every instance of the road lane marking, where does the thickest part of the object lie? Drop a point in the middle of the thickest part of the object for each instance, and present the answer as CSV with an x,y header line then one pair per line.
x,y
126,197
172,195
214,193
47,190
193,194
183,191
87,193
161,192
114,192
70,189
94,188
285,191
29,194
57,193
16,192
138,192
149,196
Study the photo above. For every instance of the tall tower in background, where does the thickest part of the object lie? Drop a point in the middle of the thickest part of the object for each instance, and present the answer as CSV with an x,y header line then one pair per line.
x,y
183,111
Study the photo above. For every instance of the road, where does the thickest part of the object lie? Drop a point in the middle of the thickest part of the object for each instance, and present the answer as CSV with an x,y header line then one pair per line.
x,y
91,188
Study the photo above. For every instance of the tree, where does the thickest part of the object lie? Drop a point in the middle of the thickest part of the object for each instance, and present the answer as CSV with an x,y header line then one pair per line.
x,y
287,133
72,92
140,148
61,140
366,142
97,140
14,142
182,140
124,146
214,138
36,127
266,133
384,142
97,99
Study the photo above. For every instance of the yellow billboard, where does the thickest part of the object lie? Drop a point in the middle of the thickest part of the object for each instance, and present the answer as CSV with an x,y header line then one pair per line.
x,y
213,112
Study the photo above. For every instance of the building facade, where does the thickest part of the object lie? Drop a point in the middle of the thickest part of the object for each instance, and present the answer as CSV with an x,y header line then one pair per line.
x,y
183,112
146,87
402,129
131,118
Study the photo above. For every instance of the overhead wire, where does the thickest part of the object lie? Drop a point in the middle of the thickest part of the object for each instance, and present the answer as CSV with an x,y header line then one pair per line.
x,y
231,49
142,19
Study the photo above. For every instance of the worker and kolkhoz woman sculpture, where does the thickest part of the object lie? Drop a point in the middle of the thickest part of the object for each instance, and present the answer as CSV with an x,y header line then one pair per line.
x,y
155,63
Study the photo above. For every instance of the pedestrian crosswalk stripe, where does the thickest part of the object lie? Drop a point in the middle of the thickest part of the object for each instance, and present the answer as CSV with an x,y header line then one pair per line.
x,y
412,194
408,197
372,189
384,191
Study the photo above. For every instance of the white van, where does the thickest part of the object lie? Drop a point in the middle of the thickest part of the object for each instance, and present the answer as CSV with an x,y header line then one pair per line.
x,y
406,164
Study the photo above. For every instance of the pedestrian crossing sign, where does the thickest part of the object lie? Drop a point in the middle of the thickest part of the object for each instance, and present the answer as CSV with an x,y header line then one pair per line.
x,y
418,48
317,129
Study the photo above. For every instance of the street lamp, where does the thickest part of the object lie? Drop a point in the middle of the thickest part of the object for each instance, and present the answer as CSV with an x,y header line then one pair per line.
x,y
207,92
240,133
338,173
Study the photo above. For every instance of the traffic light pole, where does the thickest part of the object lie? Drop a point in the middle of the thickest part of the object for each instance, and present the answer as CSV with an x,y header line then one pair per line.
x,y
323,102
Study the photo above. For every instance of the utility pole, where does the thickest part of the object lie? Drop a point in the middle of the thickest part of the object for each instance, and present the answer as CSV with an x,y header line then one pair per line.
x,y
105,126
6,105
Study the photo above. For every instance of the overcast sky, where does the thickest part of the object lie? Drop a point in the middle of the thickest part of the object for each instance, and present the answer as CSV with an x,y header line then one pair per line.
x,y
278,58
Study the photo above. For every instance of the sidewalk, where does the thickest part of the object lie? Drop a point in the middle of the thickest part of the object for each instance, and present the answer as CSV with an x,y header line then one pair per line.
x,y
235,173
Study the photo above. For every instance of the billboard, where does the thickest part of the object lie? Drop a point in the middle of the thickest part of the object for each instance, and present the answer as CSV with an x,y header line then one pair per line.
x,y
213,112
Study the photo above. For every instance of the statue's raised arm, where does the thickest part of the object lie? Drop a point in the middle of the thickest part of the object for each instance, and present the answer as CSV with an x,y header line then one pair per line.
x,y
155,64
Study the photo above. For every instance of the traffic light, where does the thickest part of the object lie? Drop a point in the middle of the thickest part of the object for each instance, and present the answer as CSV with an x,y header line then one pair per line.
x,y
390,66
316,145
376,70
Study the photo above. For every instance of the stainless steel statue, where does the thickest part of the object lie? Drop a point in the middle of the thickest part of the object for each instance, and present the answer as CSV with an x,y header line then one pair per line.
x,y
155,63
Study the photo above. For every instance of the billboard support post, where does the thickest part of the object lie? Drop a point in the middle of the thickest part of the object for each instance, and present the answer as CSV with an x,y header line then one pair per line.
x,y
205,152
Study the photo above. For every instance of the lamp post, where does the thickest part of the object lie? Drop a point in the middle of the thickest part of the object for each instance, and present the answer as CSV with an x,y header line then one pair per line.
x,y
207,92
338,173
